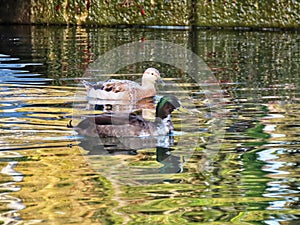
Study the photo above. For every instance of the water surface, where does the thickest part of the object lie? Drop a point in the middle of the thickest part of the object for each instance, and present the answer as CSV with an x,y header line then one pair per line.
x,y
50,175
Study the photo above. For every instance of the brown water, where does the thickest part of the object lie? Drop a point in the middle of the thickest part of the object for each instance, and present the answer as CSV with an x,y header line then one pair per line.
x,y
50,175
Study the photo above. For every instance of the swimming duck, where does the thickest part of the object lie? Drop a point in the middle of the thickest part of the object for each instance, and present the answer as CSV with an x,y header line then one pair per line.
x,y
131,125
144,105
114,89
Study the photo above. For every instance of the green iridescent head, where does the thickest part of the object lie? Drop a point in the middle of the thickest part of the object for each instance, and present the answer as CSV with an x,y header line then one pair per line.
x,y
166,106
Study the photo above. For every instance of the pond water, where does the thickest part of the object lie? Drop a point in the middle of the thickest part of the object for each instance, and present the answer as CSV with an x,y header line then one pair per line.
x,y
51,175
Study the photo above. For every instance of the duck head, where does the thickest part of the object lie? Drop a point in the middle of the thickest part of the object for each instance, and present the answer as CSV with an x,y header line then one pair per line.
x,y
166,106
150,76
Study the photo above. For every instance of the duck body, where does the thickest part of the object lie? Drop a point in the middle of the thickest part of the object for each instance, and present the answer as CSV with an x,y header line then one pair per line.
x,y
121,125
114,89
131,125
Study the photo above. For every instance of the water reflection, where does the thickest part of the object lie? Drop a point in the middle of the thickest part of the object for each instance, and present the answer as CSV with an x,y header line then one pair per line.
x,y
10,72
11,203
99,152
254,177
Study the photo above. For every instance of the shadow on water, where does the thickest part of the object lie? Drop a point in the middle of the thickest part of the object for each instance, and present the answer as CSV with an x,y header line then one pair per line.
x,y
48,172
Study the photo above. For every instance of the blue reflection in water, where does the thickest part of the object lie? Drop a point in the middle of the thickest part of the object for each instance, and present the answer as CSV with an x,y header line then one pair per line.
x,y
10,72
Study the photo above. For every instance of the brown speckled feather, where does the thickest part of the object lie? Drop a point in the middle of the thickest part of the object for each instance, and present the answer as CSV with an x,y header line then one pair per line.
x,y
124,89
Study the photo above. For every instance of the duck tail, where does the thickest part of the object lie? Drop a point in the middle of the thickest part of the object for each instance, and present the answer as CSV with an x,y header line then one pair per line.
x,y
87,84
69,125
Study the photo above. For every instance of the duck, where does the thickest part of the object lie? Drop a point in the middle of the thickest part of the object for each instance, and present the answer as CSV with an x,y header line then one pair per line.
x,y
144,105
114,89
131,124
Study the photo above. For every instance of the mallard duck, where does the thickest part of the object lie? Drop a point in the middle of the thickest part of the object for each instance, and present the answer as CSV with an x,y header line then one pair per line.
x,y
114,89
131,125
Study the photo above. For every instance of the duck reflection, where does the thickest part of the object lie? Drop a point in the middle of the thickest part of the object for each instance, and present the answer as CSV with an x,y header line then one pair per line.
x,y
96,146
172,163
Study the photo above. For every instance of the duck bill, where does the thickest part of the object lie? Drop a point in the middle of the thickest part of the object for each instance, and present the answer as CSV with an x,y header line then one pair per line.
x,y
161,82
184,110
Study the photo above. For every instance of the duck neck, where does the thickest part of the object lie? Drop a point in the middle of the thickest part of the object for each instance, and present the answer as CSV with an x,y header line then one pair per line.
x,y
163,120
161,114
147,83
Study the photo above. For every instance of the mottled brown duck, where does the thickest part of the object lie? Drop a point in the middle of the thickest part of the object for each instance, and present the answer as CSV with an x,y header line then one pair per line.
x,y
114,89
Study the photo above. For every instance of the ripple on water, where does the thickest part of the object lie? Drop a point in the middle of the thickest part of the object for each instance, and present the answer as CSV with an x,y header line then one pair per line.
x,y
251,177
28,111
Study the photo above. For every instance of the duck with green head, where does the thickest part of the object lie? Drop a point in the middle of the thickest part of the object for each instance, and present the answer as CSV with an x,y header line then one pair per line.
x,y
131,125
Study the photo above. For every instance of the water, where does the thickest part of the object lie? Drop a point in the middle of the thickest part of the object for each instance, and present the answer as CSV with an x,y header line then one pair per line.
x,y
49,175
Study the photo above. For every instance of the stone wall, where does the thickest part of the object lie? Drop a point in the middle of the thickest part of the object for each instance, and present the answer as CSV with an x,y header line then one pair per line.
x,y
15,11
111,12
251,13
208,13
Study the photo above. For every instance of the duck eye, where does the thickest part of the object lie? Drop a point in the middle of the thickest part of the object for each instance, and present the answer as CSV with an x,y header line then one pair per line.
x,y
152,73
